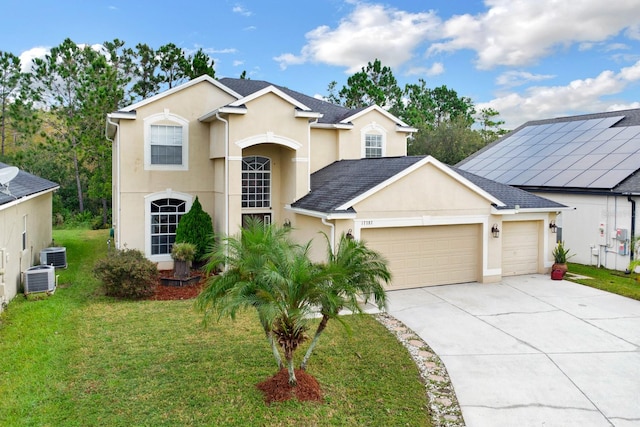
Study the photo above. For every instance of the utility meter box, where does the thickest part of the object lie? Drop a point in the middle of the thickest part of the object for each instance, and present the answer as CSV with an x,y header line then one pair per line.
x,y
623,248
621,234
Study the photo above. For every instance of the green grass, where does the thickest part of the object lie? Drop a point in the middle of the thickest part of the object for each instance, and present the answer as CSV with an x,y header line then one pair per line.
x,y
78,358
617,282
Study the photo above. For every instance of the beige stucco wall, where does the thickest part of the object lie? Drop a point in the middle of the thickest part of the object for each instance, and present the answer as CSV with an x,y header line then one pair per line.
x,y
13,260
324,148
136,182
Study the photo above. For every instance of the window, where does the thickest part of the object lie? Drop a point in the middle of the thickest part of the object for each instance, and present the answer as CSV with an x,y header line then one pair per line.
x,y
166,142
166,145
372,145
256,182
373,139
24,233
165,215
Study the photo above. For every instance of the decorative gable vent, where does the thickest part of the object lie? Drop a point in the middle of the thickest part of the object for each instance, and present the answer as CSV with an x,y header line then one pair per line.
x,y
40,278
56,256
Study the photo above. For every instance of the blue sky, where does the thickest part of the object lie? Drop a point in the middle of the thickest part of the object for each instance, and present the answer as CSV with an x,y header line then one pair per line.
x,y
528,59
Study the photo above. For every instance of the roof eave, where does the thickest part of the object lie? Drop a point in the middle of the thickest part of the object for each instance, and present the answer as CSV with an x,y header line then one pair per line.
x,y
324,215
209,117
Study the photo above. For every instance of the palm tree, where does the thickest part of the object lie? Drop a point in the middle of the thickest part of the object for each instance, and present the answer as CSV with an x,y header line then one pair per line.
x,y
355,272
267,271
242,283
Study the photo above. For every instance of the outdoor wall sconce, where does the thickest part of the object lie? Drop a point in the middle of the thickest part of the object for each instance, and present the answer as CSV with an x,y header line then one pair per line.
x,y
553,227
349,235
287,223
495,231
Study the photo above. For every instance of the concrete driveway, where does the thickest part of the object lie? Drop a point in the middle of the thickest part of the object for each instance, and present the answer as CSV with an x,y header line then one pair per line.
x,y
531,351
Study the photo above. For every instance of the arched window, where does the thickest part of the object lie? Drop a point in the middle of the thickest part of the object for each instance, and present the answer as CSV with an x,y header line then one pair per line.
x,y
256,182
164,211
374,140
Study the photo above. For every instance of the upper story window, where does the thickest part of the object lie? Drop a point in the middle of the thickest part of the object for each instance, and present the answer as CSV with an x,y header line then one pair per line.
x,y
166,145
256,182
166,142
372,145
373,140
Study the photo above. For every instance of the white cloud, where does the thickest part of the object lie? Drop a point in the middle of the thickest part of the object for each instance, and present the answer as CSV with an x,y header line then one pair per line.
x,y
519,78
27,57
239,9
435,70
580,96
518,32
238,63
371,31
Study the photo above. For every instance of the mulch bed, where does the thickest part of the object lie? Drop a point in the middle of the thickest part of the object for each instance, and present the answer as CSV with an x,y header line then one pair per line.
x,y
276,388
166,293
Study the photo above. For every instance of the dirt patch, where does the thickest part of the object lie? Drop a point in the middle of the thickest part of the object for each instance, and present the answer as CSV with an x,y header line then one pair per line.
x,y
277,388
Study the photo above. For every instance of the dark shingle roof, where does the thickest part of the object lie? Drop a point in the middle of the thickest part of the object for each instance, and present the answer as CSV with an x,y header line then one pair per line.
x,y
344,180
331,113
341,181
25,184
592,152
510,196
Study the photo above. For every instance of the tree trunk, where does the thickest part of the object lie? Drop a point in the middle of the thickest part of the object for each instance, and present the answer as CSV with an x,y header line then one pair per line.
x,y
292,374
76,168
321,327
105,211
274,348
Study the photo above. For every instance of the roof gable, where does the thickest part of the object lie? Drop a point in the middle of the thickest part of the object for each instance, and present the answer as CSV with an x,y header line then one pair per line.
x,y
589,152
270,90
339,186
198,80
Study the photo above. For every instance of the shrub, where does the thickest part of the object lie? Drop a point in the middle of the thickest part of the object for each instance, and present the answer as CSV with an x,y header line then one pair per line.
x,y
183,251
127,274
196,227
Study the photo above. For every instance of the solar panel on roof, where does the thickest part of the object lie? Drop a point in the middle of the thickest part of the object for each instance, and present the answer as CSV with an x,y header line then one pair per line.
x,y
577,153
611,178
607,122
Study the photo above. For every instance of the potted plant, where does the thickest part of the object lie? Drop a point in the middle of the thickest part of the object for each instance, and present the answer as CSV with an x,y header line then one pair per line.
x,y
560,257
182,254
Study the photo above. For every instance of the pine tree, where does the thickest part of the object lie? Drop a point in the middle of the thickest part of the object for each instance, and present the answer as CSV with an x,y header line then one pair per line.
x,y
196,227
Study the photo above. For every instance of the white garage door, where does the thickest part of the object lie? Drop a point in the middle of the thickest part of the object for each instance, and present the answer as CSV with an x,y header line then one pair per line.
x,y
520,247
427,256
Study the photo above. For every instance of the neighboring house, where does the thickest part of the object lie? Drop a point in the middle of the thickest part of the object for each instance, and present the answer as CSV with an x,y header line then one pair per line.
x,y
251,148
25,228
589,162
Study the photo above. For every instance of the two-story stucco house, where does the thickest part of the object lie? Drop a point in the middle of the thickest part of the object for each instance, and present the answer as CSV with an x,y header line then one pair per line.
x,y
251,148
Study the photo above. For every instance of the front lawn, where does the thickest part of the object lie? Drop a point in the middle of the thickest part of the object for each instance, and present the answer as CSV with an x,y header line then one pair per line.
x,y
614,281
78,358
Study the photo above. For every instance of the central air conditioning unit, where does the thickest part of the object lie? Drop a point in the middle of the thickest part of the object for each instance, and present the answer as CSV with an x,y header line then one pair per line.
x,y
41,278
56,256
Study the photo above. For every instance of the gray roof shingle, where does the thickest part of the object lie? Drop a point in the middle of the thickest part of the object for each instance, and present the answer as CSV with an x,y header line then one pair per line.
x,y
344,180
25,184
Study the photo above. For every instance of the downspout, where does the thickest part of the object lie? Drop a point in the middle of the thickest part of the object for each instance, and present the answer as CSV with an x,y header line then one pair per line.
x,y
633,225
116,141
226,171
332,237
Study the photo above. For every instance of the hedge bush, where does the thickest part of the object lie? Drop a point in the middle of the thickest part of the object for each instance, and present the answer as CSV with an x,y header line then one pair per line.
x,y
127,274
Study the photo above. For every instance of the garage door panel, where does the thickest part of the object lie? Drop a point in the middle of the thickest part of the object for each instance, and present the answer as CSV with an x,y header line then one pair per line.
x,y
520,248
424,256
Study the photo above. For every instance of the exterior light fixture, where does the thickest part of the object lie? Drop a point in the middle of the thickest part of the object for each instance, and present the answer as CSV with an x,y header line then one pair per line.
x,y
553,227
349,235
287,223
495,231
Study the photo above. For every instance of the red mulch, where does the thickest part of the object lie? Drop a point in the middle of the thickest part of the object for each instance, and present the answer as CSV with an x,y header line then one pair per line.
x,y
165,293
277,388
